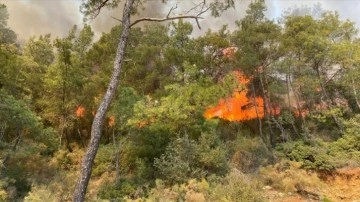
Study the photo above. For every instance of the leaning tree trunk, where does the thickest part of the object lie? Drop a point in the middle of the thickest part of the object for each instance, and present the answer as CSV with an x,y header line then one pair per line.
x,y
328,101
355,92
86,167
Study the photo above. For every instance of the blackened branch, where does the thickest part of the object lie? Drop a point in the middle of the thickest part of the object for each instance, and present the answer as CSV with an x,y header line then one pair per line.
x,y
167,19
116,19
98,8
172,8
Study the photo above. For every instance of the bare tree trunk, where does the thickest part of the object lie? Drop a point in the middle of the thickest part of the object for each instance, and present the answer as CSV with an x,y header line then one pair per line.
x,y
86,167
267,112
355,92
288,87
328,101
256,110
117,157
13,149
262,137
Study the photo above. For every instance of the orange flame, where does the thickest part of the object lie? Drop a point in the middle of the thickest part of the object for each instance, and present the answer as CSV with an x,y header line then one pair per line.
x,y
111,122
80,111
239,107
301,113
142,124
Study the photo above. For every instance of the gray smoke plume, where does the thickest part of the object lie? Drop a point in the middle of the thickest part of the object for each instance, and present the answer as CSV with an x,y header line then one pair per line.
x,y
35,17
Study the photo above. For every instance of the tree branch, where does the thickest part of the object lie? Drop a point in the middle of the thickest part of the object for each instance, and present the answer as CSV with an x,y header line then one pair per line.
x,y
167,19
116,19
203,10
98,8
172,8
333,76
194,8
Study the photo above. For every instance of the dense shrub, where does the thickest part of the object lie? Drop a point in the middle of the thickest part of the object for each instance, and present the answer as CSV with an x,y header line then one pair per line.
x,y
234,187
312,156
117,191
327,156
288,176
16,119
248,154
41,193
104,160
186,158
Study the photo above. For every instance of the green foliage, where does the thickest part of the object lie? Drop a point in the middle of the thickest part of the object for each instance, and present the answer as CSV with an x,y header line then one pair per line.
x,y
288,176
40,193
180,110
248,154
123,107
326,199
104,160
84,40
48,136
5,184
16,118
313,157
147,71
7,36
256,38
178,163
117,191
186,158
326,156
234,187
139,149
169,78
218,6
347,148
63,79
9,70
4,15
212,154
19,180
40,50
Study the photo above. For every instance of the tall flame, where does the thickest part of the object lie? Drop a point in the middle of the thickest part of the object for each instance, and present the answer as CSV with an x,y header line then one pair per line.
x,y
239,107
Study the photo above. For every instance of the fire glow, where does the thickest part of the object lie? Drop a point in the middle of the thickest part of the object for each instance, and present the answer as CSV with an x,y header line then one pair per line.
x,y
239,107
80,113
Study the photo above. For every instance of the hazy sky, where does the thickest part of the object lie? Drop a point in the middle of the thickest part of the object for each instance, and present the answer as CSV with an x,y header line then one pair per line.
x,y
34,17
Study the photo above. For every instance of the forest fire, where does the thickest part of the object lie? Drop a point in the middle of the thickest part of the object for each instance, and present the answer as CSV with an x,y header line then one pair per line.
x,y
239,107
80,111
111,121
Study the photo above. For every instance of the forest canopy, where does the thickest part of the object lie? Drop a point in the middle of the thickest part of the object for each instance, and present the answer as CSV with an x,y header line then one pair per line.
x,y
206,118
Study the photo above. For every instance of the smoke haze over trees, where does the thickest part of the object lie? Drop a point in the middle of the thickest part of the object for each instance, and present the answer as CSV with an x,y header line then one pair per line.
x,y
260,110
58,16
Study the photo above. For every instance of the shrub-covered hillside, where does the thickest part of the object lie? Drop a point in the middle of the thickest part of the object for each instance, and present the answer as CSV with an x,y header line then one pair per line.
x,y
269,111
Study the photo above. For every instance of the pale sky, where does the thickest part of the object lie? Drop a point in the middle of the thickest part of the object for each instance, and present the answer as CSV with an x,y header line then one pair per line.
x,y
35,17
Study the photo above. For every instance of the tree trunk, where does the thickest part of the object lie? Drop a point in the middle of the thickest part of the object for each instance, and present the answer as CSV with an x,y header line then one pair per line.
x,y
355,92
267,112
13,149
288,87
328,101
86,167
117,157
